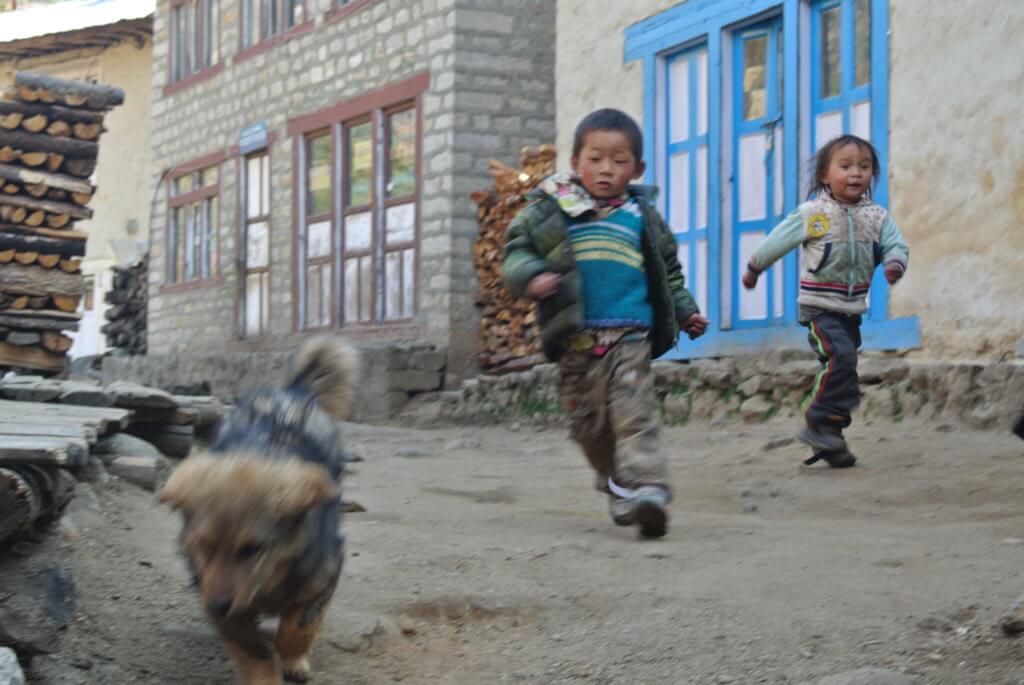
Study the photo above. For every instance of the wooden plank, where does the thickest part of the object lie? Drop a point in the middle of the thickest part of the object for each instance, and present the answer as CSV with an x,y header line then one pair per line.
x,y
68,148
98,425
73,93
37,243
31,358
10,172
48,313
133,395
65,234
42,450
17,279
49,429
51,206
85,394
165,417
53,112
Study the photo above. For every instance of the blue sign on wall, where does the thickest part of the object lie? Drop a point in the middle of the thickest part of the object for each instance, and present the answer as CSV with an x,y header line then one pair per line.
x,y
252,138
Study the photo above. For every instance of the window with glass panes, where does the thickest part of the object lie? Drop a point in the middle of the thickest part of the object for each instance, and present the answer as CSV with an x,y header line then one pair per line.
x,y
262,19
840,70
194,39
255,301
193,219
373,247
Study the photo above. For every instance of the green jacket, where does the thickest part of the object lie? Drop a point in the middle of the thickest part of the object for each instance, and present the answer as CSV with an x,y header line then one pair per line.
x,y
538,241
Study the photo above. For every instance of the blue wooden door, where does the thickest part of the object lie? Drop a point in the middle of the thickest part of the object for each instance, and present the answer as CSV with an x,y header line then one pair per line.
x,y
757,192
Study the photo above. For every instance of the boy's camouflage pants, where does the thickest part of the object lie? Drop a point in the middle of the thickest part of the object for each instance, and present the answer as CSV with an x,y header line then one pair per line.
x,y
613,413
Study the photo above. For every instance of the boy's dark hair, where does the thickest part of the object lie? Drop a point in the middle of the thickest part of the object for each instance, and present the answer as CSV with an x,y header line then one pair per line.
x,y
609,120
821,161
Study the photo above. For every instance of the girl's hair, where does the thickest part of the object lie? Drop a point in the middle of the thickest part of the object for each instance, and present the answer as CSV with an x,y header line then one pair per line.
x,y
821,161
609,120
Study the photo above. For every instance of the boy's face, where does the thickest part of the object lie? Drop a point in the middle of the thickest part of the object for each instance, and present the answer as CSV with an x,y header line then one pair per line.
x,y
849,173
606,164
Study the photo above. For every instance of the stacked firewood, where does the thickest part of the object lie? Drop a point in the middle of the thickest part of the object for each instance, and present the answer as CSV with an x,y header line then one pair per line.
x,y
49,133
509,337
126,318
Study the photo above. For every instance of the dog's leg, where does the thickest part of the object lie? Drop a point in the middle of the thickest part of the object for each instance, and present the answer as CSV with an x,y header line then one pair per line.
x,y
295,634
255,659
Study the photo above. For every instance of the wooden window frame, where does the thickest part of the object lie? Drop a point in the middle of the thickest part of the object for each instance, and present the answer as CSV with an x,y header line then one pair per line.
x,y
188,199
373,107
245,270
307,219
194,38
339,11
267,40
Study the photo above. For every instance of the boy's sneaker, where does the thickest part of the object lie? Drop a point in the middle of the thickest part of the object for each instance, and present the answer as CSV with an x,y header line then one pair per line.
x,y
621,510
650,510
822,438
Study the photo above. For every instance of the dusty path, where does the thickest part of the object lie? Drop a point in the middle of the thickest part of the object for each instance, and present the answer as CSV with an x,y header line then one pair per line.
x,y
484,557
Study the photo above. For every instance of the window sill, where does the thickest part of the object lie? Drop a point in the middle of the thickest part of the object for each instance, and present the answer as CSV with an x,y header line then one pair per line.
x,y
340,12
188,286
273,41
189,81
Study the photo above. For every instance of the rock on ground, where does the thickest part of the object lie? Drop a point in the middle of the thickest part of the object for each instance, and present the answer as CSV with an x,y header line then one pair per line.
x,y
124,445
10,669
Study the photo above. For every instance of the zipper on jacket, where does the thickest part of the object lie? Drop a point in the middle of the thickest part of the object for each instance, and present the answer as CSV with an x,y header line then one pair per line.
x,y
851,274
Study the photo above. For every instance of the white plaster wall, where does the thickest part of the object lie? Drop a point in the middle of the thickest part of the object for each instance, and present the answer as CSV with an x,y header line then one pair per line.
x,y
589,73
957,172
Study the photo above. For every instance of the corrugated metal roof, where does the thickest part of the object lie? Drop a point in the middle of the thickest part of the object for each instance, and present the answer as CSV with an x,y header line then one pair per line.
x,y
72,15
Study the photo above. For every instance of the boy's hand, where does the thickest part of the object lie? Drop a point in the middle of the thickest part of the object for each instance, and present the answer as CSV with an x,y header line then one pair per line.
x,y
750,279
893,272
694,326
543,285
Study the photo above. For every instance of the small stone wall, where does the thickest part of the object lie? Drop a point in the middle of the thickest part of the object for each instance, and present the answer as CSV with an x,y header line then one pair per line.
x,y
392,374
755,389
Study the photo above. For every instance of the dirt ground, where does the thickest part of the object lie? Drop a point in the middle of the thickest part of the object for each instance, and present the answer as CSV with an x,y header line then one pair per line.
x,y
485,557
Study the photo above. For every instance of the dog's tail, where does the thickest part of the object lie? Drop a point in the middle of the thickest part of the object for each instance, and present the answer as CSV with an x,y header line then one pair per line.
x,y
328,367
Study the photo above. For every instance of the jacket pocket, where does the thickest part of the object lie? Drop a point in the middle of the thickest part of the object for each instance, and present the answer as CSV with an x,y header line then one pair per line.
x,y
824,259
876,248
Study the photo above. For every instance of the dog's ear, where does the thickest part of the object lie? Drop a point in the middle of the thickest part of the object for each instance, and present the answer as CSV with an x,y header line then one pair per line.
x,y
303,488
181,487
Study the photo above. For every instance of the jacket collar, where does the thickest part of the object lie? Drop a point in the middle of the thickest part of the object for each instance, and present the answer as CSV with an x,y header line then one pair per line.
x,y
574,200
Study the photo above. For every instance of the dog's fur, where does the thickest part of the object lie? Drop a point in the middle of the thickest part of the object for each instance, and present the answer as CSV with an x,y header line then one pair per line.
x,y
262,510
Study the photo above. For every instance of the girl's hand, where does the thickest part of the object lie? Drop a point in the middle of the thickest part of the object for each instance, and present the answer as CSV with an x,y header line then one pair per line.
x,y
750,279
543,285
893,272
694,326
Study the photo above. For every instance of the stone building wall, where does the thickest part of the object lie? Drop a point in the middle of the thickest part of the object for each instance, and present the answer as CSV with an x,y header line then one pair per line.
x,y
471,50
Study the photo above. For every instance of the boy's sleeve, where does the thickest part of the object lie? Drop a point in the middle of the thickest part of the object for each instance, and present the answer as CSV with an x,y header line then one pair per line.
x,y
522,260
894,248
787,235
685,305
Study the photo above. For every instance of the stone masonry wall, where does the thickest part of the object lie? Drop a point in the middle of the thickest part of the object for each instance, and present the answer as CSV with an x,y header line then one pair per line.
x,y
491,85
755,389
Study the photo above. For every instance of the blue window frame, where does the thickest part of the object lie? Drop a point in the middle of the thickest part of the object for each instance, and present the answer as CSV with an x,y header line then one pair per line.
x,y
858,30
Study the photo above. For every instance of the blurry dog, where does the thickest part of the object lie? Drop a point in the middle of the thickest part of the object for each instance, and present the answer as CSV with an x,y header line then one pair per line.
x,y
261,513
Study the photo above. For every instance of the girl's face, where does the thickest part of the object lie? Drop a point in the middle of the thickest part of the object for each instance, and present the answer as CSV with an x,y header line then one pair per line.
x,y
606,164
849,173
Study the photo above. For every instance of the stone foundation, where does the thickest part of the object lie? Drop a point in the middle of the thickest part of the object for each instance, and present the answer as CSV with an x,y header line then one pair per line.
x,y
392,374
754,389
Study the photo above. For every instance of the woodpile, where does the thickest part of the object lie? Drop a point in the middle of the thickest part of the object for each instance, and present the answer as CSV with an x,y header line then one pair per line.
x,y
509,336
49,143
126,317
51,431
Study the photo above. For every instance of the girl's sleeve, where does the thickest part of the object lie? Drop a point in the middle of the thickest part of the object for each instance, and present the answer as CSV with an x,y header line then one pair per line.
x,y
787,235
894,248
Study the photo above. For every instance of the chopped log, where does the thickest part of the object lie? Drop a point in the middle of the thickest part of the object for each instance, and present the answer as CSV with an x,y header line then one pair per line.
x,y
52,180
40,322
82,168
52,112
37,190
50,206
8,153
48,261
74,93
25,280
33,159
12,120
11,188
56,194
81,198
31,358
36,218
70,265
37,142
87,131
34,124
55,342
61,129
67,303
57,220
54,161
59,247
14,215
38,302
20,302
26,257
